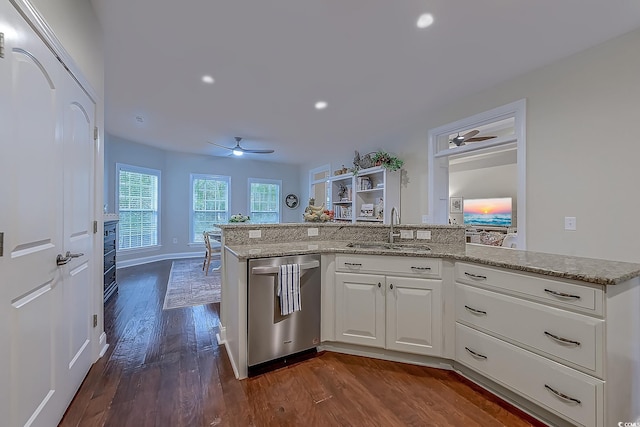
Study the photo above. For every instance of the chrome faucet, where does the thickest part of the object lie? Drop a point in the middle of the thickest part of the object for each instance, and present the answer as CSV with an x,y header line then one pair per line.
x,y
394,215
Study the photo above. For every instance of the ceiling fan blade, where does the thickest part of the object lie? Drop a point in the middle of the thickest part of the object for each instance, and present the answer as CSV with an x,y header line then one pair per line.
x,y
218,145
247,150
479,138
470,134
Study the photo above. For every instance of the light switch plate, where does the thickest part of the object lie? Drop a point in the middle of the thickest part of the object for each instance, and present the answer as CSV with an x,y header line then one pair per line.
x,y
423,234
406,234
312,231
570,223
255,234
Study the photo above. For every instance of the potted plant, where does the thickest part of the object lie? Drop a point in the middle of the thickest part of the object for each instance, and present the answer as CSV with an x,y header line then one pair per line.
x,y
386,160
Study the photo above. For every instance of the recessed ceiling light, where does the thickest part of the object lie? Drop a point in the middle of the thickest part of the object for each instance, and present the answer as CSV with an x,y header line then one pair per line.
x,y
425,20
321,105
208,79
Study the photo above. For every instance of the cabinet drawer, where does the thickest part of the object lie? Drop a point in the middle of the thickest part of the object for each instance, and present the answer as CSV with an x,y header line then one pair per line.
x,y
412,266
543,381
586,298
567,337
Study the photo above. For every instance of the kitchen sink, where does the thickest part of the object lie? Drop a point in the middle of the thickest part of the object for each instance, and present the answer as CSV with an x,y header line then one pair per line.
x,y
388,246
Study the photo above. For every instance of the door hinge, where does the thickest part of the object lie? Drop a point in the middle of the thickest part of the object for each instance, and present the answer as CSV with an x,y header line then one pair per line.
x,y
95,320
95,227
1,45
95,133
1,243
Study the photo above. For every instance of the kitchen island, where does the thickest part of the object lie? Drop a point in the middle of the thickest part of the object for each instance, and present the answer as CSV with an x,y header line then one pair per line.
x,y
555,335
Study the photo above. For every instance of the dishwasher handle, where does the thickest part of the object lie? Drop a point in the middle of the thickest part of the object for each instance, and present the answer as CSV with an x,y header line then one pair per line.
x,y
276,269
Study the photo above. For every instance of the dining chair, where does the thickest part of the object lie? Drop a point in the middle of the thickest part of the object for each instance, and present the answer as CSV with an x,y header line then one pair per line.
x,y
209,252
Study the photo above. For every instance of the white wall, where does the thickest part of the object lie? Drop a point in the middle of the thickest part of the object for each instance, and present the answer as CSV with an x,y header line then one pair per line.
x,y
176,169
582,150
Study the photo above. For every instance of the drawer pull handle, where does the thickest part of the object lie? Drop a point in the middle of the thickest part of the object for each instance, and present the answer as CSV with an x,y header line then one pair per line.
x,y
562,396
560,339
475,276
353,264
561,294
474,354
421,268
475,311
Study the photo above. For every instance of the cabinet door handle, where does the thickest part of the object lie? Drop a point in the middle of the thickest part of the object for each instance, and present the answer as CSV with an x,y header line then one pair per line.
x,y
561,294
353,264
421,268
475,311
562,340
475,276
391,286
562,395
379,284
476,355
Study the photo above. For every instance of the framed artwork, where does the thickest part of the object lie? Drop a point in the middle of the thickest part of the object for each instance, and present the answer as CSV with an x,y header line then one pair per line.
x,y
455,205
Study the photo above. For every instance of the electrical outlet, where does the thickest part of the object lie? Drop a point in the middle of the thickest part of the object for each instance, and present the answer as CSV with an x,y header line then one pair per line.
x,y
570,223
423,234
312,232
426,219
406,234
175,240
255,234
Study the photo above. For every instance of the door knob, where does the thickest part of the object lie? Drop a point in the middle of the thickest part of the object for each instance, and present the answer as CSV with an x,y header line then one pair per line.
x,y
62,260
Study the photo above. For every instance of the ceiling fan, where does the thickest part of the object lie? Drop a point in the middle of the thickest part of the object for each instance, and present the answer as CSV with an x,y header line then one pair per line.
x,y
468,137
239,151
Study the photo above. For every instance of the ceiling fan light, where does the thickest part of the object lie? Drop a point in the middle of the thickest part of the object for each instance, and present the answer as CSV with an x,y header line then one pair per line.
x,y
237,152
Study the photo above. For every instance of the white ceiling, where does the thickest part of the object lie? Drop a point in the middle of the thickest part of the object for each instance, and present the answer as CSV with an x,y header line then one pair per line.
x,y
272,60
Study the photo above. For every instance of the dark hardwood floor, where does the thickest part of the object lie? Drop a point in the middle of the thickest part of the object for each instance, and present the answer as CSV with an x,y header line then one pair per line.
x,y
165,368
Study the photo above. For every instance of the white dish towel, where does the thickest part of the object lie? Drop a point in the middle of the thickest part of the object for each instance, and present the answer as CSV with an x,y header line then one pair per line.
x,y
289,288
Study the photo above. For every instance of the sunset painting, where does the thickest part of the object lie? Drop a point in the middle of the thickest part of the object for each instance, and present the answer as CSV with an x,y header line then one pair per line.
x,y
495,212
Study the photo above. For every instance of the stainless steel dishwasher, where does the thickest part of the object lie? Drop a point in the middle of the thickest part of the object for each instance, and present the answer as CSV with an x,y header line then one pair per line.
x,y
270,335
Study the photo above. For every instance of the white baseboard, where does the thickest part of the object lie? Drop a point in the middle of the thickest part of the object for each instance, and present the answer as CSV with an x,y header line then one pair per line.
x,y
103,344
221,336
394,356
160,257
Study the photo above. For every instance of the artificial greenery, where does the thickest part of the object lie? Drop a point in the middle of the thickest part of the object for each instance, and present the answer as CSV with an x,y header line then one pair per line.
x,y
386,160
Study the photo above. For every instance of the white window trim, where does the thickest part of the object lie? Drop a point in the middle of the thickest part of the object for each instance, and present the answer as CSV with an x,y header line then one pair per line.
x,y
265,181
139,169
438,175
211,177
312,181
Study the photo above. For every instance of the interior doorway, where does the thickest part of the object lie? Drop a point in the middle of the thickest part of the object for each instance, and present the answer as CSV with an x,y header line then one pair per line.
x,y
486,155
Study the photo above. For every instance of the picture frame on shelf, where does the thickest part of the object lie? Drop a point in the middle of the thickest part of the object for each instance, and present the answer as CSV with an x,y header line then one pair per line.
x,y
455,204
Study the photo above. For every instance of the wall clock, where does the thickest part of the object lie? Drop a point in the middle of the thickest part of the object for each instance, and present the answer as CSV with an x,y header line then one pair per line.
x,y
291,200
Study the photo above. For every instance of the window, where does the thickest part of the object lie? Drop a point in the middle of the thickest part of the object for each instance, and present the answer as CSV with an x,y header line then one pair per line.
x,y
138,195
264,200
209,203
319,190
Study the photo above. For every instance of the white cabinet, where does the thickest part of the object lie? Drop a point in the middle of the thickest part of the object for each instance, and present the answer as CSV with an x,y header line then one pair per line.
x,y
366,197
414,315
397,308
542,338
360,309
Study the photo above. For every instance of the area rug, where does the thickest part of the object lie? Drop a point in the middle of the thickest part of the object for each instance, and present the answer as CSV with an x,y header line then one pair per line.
x,y
188,286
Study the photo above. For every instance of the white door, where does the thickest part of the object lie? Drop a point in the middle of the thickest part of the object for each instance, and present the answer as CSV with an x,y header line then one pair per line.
x,y
78,112
43,307
360,309
414,315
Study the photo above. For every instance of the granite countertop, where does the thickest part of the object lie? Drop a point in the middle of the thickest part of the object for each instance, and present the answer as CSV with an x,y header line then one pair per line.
x,y
589,270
